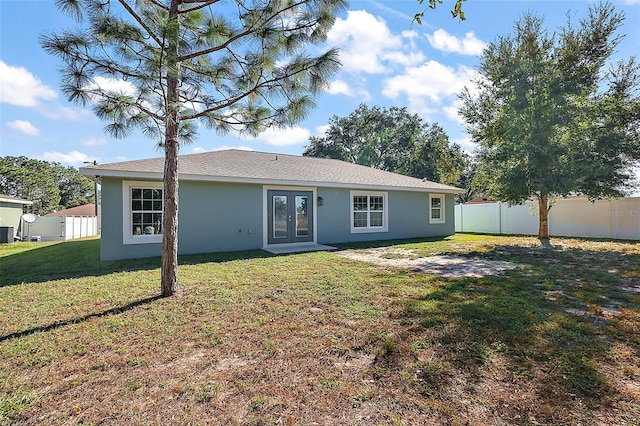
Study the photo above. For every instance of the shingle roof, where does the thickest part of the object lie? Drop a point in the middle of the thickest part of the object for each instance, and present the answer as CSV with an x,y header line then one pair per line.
x,y
260,167
84,210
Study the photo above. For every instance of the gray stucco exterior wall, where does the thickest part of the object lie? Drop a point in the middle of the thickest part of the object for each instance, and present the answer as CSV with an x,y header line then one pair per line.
x,y
229,217
408,217
219,217
212,217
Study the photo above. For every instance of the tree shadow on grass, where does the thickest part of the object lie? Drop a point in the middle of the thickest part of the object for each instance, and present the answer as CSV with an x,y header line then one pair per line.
x,y
527,319
59,324
494,326
81,258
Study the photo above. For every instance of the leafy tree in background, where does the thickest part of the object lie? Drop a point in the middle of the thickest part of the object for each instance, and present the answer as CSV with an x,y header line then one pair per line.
x,y
50,186
468,180
390,139
74,188
550,119
235,65
433,157
31,180
376,137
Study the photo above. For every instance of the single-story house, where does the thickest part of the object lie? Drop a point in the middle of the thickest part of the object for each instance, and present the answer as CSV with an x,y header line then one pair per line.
x,y
237,200
11,209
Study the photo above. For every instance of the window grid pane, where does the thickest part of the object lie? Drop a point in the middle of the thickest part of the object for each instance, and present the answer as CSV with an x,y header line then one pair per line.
x,y
146,211
368,211
359,219
360,203
376,203
376,219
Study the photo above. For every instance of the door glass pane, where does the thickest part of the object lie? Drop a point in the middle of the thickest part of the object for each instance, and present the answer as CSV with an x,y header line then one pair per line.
x,y
280,216
302,217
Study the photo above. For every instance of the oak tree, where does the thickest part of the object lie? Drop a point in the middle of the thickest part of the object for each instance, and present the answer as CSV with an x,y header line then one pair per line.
x,y
552,116
390,139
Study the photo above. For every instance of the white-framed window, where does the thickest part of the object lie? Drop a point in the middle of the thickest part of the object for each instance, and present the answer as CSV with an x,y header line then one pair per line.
x,y
436,208
369,211
142,207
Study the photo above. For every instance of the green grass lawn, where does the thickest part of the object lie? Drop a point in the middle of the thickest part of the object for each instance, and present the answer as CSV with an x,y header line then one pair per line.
x,y
316,338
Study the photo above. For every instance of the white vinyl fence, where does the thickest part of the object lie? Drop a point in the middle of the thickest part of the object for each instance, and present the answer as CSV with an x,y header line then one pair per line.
x,y
571,217
62,228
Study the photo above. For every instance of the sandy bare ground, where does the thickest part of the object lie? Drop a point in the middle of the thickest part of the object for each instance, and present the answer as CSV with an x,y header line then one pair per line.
x,y
443,265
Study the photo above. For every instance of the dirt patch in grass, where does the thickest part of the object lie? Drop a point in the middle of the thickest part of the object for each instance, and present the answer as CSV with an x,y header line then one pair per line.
x,y
443,265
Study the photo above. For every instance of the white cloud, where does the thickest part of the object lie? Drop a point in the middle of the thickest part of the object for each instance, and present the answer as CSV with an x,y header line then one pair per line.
x,y
73,158
367,45
405,59
114,85
451,111
59,112
428,86
198,150
23,126
340,87
93,141
284,137
19,87
465,143
469,45
322,130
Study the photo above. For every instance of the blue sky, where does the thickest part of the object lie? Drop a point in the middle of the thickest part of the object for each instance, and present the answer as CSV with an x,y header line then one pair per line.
x,y
387,61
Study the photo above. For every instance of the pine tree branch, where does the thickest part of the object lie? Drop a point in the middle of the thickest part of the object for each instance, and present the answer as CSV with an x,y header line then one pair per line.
x,y
246,33
255,89
158,4
140,21
203,5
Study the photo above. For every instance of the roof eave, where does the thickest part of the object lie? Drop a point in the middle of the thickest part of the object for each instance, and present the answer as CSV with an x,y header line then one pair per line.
x,y
91,172
16,201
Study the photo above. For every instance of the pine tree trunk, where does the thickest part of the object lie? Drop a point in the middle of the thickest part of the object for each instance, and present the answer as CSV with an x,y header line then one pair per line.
x,y
543,213
169,280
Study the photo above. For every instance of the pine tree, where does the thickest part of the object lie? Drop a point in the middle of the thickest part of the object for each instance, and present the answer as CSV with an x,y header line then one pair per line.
x,y
232,65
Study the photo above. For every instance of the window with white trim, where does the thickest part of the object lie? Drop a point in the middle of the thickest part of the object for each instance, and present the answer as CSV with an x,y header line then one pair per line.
x,y
369,211
436,208
142,212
